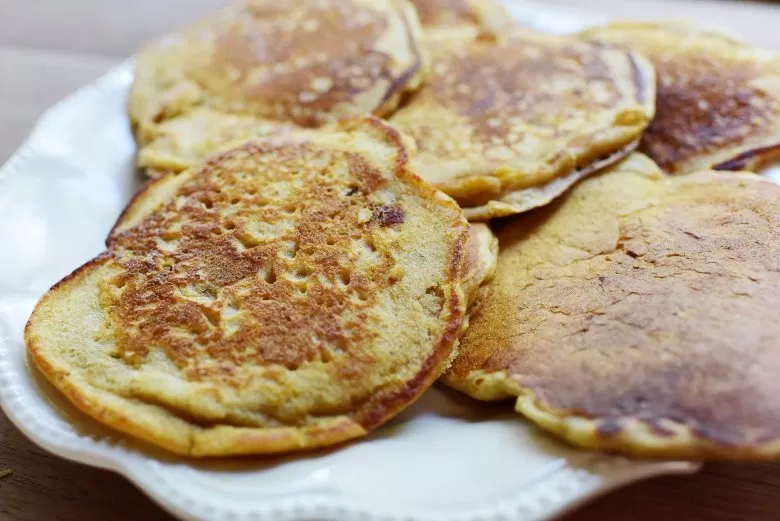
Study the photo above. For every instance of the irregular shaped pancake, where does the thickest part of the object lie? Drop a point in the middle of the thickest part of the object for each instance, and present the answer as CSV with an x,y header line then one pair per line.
x,y
445,20
261,67
273,299
718,101
636,314
506,127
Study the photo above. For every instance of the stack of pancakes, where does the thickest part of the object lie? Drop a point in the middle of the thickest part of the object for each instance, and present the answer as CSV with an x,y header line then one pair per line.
x,y
312,253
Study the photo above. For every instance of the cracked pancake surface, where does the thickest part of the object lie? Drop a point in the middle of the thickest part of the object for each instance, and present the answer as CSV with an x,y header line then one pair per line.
x,y
504,127
718,100
636,315
277,297
264,67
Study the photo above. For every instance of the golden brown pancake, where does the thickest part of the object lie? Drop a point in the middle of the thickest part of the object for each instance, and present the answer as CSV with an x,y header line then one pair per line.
x,y
445,20
636,314
275,298
504,128
718,101
262,67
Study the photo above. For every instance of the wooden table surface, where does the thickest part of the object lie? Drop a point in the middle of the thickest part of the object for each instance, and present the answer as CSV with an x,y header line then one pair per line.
x,y
50,47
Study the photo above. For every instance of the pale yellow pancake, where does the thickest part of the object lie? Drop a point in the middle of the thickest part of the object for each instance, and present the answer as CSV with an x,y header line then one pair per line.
x,y
275,298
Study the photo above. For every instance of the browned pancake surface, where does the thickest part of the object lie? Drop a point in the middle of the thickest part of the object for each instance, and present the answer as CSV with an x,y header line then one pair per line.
x,y
636,315
718,99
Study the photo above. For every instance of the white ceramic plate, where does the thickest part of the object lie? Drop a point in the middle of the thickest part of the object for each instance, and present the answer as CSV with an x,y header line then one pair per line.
x,y
447,458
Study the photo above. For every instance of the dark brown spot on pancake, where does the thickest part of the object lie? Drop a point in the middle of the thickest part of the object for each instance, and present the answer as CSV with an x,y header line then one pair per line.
x,y
389,215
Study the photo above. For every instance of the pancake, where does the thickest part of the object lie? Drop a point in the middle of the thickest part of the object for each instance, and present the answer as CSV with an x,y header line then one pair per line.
x,y
445,20
636,314
263,67
507,127
479,265
183,141
275,298
718,101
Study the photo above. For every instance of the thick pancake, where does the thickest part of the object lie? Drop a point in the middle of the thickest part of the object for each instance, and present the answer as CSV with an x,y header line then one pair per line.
x,y
718,101
262,66
272,299
496,120
445,20
637,314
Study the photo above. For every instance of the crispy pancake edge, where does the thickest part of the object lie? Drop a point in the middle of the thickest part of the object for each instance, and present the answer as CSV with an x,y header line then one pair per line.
x,y
527,199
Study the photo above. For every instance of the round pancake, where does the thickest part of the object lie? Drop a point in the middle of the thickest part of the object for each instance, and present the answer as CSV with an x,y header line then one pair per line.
x,y
636,314
306,63
275,298
718,100
445,20
497,120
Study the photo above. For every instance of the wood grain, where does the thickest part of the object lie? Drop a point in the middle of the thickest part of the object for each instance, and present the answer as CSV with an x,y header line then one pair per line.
x,y
50,47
